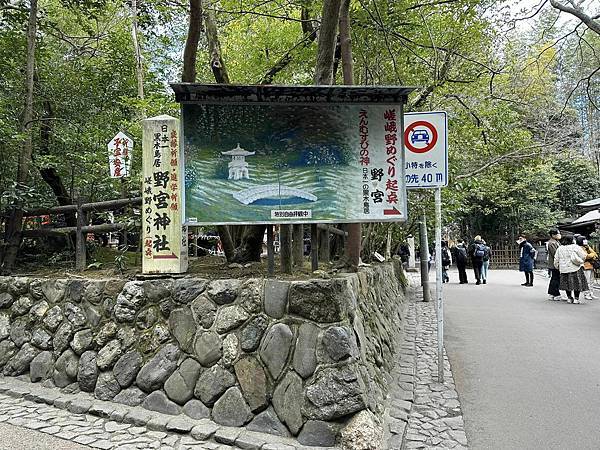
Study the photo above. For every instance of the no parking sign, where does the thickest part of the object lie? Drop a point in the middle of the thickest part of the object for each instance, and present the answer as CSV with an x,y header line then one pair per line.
x,y
426,154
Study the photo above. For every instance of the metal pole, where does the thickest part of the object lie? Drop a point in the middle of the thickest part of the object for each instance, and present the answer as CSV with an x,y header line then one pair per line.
x,y
270,251
438,283
424,258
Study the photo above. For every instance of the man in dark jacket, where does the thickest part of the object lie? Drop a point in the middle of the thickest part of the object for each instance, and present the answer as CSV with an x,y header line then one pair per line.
x,y
477,252
526,260
552,245
460,257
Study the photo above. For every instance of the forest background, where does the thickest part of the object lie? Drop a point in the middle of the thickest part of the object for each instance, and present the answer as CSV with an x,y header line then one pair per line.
x,y
520,82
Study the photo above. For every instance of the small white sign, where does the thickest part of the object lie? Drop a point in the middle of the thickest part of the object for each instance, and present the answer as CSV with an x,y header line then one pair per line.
x,y
291,214
120,152
426,149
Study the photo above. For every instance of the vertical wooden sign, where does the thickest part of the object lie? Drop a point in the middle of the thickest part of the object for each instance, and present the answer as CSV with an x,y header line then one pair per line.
x,y
164,237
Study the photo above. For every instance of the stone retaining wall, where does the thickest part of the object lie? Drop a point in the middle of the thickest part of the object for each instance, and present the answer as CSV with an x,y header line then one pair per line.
x,y
304,358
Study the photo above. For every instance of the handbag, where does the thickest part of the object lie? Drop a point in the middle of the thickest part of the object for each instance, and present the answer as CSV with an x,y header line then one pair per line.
x,y
596,264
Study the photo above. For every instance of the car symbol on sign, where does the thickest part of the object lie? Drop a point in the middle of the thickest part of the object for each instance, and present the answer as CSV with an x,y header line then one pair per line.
x,y
419,136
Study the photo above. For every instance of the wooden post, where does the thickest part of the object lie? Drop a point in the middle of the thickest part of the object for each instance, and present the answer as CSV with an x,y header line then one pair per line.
x,y
324,245
285,248
314,247
124,195
80,262
270,251
298,245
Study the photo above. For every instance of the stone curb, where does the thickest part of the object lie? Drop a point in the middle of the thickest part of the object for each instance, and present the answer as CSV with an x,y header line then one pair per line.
x,y
401,398
203,430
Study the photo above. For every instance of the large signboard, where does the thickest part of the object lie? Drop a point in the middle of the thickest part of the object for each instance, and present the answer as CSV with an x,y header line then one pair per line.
x,y
293,163
165,244
426,144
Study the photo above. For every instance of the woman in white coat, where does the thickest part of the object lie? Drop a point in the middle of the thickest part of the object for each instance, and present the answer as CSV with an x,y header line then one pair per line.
x,y
569,259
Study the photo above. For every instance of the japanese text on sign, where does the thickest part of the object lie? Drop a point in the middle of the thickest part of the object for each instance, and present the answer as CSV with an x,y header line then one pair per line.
x,y
119,155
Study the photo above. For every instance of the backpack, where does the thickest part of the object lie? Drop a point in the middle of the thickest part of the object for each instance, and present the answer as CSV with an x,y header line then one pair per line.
x,y
486,256
461,253
445,257
479,251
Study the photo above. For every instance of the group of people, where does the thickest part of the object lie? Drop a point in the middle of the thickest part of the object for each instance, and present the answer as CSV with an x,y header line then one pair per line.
x,y
478,252
571,262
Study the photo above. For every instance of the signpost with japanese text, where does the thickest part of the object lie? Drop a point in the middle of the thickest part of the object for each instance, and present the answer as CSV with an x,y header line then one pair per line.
x,y
164,238
426,147
120,150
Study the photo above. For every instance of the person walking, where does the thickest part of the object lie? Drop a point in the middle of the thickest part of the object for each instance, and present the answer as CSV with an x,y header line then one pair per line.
x,y
526,260
588,265
477,252
446,262
569,259
486,262
552,245
461,261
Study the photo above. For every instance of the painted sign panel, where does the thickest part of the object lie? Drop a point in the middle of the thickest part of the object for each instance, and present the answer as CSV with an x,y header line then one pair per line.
x,y
165,240
293,163
426,147
120,150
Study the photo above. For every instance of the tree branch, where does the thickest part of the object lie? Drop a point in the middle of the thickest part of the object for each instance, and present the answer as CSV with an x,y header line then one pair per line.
x,y
576,11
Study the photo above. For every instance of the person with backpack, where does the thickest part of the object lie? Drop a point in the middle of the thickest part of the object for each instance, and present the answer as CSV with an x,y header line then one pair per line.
x,y
477,252
446,262
526,260
486,262
461,261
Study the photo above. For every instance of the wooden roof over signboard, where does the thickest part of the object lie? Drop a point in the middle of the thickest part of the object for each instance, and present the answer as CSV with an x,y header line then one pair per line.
x,y
231,93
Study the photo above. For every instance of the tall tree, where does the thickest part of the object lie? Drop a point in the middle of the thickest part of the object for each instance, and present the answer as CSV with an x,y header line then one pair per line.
x,y
13,234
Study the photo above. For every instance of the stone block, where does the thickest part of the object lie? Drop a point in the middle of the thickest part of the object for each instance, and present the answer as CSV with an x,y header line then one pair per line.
x,y
183,327
275,348
253,382
196,410
268,422
204,311
20,331
7,350
109,354
130,301
62,337
212,383
158,401
41,367
181,424
322,301
127,368
107,386
223,292
187,289
287,401
66,369
204,430
179,387
362,432
252,333
155,372
276,297
208,348
132,396
4,326
82,341
230,317
227,435
53,318
305,356
231,409
251,296
316,432
41,339
87,373
230,349
339,343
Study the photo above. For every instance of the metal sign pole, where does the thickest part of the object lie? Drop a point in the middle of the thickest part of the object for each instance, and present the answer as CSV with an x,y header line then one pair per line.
x,y
438,283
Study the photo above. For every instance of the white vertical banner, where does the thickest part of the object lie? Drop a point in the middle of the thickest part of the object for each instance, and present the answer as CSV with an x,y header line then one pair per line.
x,y
120,152
164,237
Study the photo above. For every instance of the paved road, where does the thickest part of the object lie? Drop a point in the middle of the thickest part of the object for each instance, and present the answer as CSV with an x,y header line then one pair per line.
x,y
527,370
12,438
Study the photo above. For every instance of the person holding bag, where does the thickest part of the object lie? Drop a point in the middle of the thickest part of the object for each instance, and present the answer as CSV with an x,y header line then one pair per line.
x,y
588,266
569,259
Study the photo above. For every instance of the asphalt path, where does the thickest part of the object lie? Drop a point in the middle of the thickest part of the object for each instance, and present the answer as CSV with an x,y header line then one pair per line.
x,y
17,438
527,370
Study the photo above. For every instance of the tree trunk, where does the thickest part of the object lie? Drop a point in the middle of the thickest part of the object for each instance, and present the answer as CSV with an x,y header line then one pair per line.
x,y
139,68
217,64
251,247
14,225
190,52
327,40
